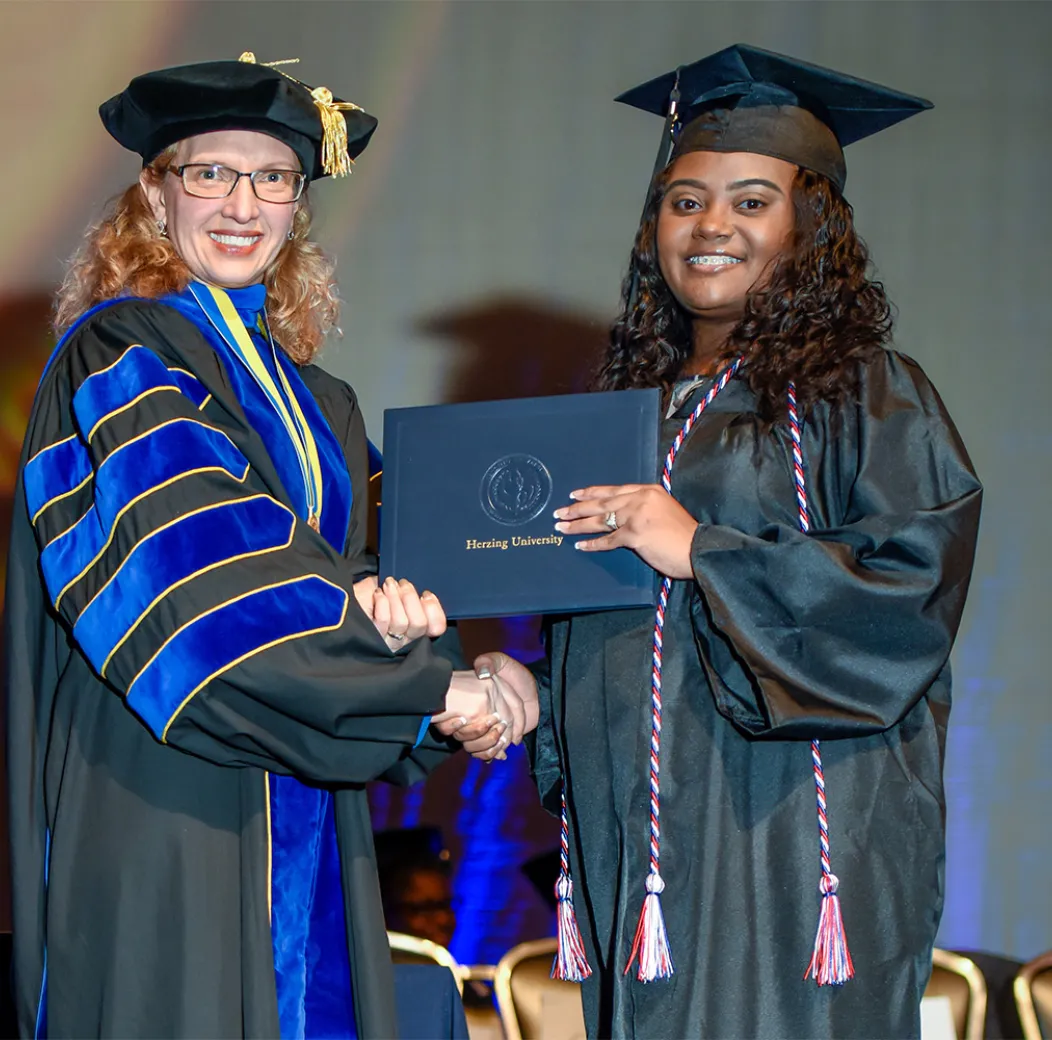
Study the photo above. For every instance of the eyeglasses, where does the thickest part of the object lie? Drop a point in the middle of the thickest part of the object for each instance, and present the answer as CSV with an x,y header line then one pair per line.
x,y
212,181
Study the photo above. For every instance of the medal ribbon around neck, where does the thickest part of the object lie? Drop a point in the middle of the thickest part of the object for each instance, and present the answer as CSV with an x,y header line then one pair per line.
x,y
223,315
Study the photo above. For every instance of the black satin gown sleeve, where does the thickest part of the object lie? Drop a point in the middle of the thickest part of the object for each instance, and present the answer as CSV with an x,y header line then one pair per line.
x,y
840,631
225,624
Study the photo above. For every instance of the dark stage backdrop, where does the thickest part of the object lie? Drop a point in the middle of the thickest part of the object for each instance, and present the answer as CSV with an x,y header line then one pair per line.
x,y
482,240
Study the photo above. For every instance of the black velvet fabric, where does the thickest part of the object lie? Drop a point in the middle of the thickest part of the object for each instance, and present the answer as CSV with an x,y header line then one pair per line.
x,y
159,108
842,634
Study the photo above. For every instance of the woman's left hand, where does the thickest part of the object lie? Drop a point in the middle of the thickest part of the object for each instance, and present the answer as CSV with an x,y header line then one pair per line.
x,y
649,521
400,614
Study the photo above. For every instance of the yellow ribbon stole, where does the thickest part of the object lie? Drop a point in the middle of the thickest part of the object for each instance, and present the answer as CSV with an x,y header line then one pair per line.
x,y
295,423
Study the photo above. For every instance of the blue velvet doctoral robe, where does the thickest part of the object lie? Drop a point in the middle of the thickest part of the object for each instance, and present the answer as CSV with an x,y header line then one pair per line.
x,y
199,700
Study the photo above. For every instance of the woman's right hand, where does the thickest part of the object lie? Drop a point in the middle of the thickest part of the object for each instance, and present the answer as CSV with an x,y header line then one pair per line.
x,y
485,715
510,673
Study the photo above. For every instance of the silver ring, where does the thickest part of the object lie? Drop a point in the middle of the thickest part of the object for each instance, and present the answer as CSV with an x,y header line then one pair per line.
x,y
611,520
397,638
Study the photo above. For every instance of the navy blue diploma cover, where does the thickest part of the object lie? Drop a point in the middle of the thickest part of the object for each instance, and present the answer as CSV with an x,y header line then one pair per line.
x,y
469,490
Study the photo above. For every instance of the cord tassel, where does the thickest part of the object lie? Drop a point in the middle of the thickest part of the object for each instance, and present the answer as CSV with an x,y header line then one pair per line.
x,y
831,960
571,961
650,944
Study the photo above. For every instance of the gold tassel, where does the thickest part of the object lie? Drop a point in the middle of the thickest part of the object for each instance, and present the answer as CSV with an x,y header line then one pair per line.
x,y
334,157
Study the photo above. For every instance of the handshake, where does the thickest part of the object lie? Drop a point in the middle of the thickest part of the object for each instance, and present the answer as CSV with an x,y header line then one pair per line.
x,y
486,709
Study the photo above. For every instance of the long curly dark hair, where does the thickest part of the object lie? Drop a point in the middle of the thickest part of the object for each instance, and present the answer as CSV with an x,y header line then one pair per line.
x,y
818,315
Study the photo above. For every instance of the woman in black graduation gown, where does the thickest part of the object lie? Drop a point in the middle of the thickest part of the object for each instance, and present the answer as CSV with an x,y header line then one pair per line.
x,y
189,592
812,603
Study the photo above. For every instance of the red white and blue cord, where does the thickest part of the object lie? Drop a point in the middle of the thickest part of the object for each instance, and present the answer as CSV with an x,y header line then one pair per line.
x,y
831,961
650,946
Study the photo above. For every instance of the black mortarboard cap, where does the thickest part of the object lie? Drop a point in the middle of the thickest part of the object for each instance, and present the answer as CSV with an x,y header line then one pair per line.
x,y
160,108
744,99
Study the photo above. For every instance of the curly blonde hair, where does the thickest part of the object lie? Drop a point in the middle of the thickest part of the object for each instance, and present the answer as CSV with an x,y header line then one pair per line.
x,y
123,255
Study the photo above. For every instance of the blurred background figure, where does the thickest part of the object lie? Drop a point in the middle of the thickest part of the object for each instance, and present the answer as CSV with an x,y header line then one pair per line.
x,y
416,883
416,888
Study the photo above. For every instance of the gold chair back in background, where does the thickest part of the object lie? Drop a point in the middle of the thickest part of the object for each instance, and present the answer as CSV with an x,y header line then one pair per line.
x,y
408,949
531,1003
1032,989
528,996
484,1021
961,980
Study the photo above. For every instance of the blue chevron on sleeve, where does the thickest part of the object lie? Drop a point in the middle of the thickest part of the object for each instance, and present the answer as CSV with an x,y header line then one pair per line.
x,y
172,555
55,472
63,468
227,635
135,374
189,385
174,449
168,452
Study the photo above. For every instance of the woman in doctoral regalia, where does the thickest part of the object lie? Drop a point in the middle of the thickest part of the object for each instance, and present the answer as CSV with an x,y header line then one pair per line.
x,y
189,592
766,753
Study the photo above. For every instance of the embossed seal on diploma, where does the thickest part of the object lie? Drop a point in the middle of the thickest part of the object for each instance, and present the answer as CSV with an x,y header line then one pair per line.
x,y
515,489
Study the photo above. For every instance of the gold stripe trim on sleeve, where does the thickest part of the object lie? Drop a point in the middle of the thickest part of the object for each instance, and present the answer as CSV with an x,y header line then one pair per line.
x,y
121,447
249,654
160,426
58,498
124,407
57,444
114,364
72,526
196,574
139,498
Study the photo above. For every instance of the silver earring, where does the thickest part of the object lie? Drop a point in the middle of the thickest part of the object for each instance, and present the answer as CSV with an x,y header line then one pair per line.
x,y
291,235
162,228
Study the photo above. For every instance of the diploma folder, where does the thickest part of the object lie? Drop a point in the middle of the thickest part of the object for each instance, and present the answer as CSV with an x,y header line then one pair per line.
x,y
469,490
